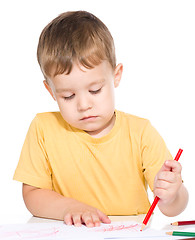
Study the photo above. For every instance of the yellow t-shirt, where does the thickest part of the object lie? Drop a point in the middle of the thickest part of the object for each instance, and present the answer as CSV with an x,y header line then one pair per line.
x,y
110,173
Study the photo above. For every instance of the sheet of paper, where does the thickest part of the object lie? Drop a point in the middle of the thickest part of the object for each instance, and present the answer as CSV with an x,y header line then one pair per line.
x,y
58,230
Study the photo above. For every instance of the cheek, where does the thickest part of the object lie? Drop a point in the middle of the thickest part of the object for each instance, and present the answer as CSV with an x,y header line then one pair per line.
x,y
108,95
106,101
60,103
66,109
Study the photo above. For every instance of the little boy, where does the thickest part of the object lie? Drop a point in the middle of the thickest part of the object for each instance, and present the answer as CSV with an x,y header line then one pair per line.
x,y
90,160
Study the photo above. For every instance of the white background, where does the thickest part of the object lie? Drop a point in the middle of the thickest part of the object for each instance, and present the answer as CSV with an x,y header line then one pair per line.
x,y
155,40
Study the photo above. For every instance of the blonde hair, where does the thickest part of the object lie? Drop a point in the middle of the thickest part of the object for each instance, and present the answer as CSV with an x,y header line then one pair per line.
x,y
74,37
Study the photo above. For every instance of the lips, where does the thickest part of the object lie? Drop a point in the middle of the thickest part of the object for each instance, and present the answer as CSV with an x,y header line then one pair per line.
x,y
88,118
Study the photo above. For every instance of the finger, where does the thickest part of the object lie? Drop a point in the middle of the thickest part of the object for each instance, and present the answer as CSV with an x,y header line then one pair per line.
x,y
87,220
174,165
68,219
103,217
161,184
77,220
96,220
161,193
166,176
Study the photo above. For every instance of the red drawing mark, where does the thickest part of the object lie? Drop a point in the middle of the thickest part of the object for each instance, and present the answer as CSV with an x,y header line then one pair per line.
x,y
111,228
28,234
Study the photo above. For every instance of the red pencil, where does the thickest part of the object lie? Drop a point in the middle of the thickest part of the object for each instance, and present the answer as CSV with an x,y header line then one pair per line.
x,y
183,223
148,215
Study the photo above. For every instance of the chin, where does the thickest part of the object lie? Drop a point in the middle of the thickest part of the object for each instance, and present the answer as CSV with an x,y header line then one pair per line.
x,y
91,130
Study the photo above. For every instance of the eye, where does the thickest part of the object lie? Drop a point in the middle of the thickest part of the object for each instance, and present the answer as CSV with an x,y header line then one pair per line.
x,y
69,97
95,91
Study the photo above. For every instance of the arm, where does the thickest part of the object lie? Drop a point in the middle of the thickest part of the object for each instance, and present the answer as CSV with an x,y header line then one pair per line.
x,y
169,188
50,204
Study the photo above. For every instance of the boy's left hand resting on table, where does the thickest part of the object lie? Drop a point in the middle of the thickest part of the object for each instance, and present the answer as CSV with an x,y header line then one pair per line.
x,y
169,188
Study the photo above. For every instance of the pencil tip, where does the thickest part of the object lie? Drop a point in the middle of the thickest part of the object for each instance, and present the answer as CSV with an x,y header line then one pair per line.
x,y
169,233
142,227
174,224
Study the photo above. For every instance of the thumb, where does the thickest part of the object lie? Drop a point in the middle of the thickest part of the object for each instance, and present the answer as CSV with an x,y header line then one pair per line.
x,y
103,217
175,166
166,166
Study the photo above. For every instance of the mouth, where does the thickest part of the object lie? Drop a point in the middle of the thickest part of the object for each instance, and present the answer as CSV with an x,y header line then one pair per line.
x,y
88,118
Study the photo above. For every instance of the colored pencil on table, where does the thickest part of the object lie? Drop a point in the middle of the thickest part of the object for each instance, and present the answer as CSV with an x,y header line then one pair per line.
x,y
186,234
191,238
148,215
179,223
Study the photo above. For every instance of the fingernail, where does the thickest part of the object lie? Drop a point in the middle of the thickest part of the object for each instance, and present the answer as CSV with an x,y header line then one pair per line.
x,y
90,225
97,224
78,224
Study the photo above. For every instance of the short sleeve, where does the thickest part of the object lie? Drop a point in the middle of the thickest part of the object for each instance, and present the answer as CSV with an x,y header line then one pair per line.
x,y
33,166
154,153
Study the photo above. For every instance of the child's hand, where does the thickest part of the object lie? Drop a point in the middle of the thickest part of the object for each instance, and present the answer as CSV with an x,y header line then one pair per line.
x,y
79,213
168,181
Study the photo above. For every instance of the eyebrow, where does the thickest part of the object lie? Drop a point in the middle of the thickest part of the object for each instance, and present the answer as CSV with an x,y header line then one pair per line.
x,y
59,90
97,82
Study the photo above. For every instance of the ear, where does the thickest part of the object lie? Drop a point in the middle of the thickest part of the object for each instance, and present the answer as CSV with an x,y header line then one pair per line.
x,y
118,74
49,89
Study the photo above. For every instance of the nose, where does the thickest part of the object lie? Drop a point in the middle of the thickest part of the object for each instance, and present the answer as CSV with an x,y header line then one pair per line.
x,y
84,103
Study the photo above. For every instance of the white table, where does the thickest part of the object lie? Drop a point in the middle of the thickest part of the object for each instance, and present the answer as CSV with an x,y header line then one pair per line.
x,y
158,221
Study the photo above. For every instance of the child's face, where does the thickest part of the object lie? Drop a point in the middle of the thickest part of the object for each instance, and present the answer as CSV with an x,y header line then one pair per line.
x,y
86,97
